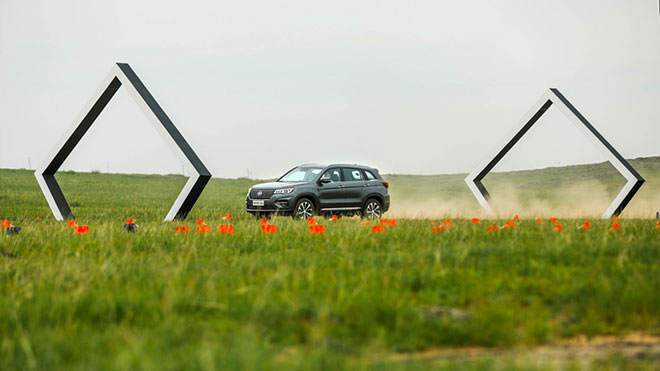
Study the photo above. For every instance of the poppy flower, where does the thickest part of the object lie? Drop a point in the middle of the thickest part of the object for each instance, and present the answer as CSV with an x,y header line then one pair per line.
x,y
202,229
311,221
475,221
389,222
509,224
377,229
557,228
365,223
334,218
553,220
268,228
182,229
227,217
515,217
438,229
263,221
615,227
615,219
446,222
199,221
493,228
539,221
81,229
316,229
70,223
5,224
586,225
226,229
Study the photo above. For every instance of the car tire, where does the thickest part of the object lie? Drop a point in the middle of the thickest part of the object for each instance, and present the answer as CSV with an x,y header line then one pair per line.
x,y
372,209
304,209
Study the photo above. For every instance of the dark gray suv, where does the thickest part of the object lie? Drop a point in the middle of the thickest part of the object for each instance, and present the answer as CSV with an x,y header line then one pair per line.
x,y
309,190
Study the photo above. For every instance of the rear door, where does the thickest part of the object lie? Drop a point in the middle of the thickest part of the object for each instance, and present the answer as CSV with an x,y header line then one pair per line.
x,y
331,195
355,186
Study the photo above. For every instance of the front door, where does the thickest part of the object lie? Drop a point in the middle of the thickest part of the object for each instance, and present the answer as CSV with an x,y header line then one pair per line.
x,y
331,190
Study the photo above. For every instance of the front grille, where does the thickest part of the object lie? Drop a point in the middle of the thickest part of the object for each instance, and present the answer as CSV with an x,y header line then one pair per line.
x,y
265,193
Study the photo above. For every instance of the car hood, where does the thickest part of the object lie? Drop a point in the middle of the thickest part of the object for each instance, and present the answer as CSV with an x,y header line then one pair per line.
x,y
276,185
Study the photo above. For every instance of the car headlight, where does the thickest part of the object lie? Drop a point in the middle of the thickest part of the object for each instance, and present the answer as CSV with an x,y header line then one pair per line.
x,y
248,194
283,191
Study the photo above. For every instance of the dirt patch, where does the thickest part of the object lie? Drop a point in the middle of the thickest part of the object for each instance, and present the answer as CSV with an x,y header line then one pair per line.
x,y
635,346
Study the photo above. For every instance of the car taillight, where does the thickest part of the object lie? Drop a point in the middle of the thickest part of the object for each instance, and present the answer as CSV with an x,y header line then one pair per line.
x,y
386,184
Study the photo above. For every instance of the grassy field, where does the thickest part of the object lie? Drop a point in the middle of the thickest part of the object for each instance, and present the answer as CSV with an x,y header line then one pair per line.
x,y
348,299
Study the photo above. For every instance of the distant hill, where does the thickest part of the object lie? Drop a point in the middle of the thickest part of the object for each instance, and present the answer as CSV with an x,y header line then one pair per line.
x,y
570,191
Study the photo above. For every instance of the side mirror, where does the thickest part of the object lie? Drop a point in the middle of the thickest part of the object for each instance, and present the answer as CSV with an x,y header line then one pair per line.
x,y
324,181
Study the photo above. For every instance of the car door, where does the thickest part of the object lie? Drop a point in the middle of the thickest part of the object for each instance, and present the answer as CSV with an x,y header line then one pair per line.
x,y
331,190
355,186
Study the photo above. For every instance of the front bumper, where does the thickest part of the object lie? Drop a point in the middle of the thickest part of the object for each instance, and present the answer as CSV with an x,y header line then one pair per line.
x,y
280,204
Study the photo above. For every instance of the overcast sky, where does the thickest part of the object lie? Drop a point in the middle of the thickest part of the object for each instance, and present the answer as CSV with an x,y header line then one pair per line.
x,y
423,87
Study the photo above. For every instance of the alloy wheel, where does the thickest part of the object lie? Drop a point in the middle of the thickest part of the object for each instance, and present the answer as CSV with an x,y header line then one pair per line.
x,y
305,210
372,210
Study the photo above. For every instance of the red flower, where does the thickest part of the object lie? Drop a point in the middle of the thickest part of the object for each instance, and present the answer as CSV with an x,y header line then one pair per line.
x,y
227,217
493,228
199,221
311,221
615,227
586,225
129,221
203,229
437,229
475,221
81,229
71,223
5,224
182,229
316,229
557,228
377,229
226,229
268,228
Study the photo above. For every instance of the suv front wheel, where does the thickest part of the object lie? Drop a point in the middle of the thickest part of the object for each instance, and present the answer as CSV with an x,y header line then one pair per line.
x,y
372,209
304,209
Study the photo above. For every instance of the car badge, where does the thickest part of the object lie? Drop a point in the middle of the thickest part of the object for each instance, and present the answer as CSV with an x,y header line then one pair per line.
x,y
259,193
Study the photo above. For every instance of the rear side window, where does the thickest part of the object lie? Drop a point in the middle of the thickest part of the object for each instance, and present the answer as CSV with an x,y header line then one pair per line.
x,y
369,175
352,174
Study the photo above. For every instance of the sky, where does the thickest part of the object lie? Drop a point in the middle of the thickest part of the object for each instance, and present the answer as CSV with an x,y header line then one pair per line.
x,y
257,87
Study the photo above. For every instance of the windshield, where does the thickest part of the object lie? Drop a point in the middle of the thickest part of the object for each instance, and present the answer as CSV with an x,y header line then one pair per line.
x,y
301,174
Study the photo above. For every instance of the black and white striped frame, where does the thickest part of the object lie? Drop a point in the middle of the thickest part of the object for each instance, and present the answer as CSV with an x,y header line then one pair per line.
x,y
123,74
553,96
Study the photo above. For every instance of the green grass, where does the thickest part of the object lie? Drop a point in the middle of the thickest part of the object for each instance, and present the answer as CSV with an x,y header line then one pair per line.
x,y
345,300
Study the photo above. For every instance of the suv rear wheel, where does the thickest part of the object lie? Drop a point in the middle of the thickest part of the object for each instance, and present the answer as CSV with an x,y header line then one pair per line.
x,y
304,209
372,209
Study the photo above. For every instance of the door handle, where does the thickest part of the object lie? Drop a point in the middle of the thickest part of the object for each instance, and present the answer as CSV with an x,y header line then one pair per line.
x,y
340,186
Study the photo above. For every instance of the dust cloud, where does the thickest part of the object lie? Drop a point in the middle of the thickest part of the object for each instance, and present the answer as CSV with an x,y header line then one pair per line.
x,y
586,199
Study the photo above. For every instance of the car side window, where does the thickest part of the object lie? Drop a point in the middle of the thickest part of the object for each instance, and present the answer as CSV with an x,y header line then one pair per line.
x,y
332,175
352,174
369,175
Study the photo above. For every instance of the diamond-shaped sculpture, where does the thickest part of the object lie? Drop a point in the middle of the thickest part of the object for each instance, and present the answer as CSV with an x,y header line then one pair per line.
x,y
123,74
553,96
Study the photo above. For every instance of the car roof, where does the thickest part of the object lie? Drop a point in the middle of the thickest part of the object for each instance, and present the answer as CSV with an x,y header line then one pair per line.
x,y
338,165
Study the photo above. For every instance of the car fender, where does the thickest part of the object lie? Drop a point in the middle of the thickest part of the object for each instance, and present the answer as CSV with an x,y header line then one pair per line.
x,y
309,195
375,195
